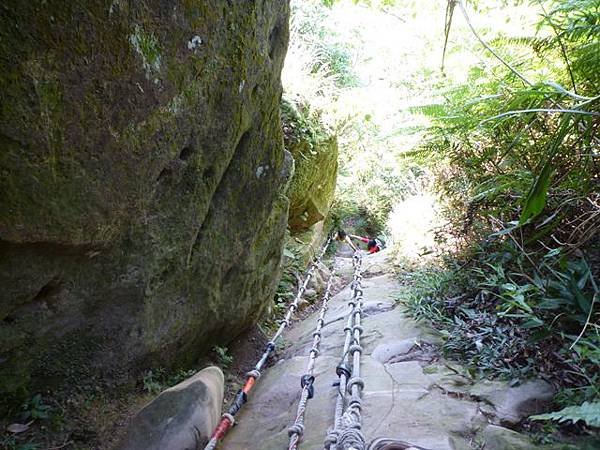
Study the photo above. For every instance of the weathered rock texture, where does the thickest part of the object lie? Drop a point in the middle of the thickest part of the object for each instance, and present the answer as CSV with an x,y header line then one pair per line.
x,y
315,153
141,161
311,188
180,418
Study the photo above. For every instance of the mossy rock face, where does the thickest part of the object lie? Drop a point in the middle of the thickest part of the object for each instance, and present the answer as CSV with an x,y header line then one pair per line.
x,y
315,153
141,162
305,246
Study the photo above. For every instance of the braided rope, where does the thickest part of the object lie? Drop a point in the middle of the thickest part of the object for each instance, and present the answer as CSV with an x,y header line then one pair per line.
x,y
297,429
346,432
241,397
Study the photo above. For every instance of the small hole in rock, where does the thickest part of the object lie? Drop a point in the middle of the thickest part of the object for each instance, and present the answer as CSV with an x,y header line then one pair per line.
x,y
9,320
51,289
185,153
209,172
274,41
163,173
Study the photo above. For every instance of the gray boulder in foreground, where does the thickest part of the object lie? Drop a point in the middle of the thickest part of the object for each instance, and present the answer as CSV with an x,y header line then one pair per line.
x,y
180,418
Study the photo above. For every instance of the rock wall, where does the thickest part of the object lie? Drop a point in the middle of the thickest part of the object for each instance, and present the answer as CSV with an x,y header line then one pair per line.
x,y
141,161
311,189
315,153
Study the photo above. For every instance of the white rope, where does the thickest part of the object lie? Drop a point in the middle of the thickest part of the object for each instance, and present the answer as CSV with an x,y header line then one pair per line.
x,y
297,429
227,420
346,432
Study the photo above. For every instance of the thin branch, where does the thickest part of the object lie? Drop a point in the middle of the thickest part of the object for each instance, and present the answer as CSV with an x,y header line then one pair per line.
x,y
562,45
587,322
447,23
490,49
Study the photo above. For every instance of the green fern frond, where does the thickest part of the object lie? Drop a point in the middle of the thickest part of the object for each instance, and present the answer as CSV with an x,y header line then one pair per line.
x,y
537,43
588,412
585,62
431,110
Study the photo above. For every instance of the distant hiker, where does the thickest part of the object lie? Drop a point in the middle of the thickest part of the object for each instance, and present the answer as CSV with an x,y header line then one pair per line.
x,y
340,235
373,245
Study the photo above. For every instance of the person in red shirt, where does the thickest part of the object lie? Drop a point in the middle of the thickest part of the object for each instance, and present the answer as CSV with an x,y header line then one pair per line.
x,y
373,245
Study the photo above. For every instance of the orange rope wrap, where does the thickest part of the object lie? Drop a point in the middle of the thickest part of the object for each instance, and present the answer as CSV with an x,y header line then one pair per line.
x,y
221,429
249,384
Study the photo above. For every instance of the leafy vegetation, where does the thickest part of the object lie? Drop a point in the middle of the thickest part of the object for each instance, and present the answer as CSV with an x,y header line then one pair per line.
x,y
157,380
587,412
225,359
515,153
322,79
35,409
510,140
10,443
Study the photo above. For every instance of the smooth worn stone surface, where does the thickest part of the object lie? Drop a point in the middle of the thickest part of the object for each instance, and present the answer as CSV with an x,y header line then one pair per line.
x,y
386,351
399,400
499,438
511,404
375,307
180,418
411,394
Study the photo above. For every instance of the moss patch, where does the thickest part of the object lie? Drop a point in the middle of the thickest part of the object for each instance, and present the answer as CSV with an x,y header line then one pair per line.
x,y
315,153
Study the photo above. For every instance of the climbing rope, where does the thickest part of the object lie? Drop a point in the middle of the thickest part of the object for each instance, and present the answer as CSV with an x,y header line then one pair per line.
x,y
227,419
296,431
346,432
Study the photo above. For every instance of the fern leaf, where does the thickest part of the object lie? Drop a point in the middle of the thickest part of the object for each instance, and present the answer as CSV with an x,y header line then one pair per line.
x,y
588,412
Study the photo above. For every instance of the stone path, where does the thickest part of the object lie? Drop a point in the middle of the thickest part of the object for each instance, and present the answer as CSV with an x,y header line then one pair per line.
x,y
411,393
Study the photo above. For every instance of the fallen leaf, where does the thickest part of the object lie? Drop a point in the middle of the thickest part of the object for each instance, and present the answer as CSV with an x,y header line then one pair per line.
x,y
18,427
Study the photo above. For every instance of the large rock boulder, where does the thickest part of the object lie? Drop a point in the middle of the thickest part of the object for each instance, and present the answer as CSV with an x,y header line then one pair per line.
x,y
181,418
141,161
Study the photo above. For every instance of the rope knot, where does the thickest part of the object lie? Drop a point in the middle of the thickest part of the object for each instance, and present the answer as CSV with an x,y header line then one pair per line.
x,y
356,381
229,417
351,438
358,328
296,428
342,369
306,381
254,374
355,348
331,438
